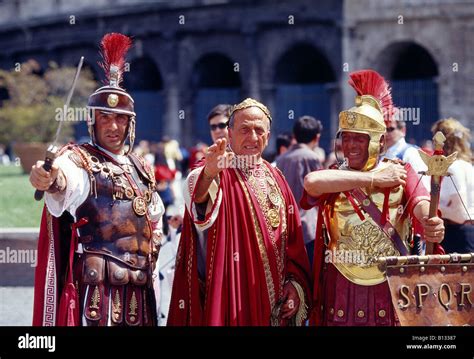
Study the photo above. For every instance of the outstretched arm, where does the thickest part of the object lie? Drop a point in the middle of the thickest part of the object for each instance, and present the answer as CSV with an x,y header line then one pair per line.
x,y
333,181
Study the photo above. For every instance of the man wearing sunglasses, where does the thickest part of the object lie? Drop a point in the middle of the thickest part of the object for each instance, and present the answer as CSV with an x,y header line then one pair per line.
x,y
218,119
397,147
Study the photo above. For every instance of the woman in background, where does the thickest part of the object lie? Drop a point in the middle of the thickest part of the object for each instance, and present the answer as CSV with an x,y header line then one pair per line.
x,y
458,220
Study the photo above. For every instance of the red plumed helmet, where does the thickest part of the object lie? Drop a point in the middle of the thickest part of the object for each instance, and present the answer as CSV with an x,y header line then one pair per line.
x,y
370,82
114,47
112,97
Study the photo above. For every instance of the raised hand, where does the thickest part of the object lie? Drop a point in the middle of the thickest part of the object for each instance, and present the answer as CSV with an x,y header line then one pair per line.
x,y
391,176
217,159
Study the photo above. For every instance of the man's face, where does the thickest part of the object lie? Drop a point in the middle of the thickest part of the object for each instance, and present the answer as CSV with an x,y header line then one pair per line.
x,y
250,132
356,149
218,125
110,130
393,134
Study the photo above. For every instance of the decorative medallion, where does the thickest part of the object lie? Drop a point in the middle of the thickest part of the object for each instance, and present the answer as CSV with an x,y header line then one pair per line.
x,y
275,198
351,118
112,100
139,205
274,217
129,192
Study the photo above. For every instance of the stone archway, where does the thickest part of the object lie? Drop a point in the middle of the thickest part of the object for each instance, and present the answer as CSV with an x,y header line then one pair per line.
x,y
303,80
413,72
145,85
214,80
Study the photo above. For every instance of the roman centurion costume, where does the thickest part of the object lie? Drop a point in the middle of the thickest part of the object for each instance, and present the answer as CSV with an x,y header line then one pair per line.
x,y
358,226
99,237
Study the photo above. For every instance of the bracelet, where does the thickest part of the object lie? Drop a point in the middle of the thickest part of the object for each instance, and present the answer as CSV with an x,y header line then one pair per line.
x,y
206,176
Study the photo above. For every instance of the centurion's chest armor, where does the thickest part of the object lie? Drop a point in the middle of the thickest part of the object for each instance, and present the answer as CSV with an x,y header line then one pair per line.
x,y
354,244
115,209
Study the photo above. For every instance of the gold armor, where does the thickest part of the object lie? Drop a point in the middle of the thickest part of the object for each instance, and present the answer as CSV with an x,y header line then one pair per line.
x,y
356,244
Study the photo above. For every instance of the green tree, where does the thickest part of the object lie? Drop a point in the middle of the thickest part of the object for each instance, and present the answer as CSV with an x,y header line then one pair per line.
x,y
28,115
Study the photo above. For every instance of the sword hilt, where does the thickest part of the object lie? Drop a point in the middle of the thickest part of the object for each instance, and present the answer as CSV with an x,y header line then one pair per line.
x,y
47,165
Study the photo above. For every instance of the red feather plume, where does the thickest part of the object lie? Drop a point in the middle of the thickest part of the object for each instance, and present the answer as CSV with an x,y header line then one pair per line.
x,y
370,82
114,47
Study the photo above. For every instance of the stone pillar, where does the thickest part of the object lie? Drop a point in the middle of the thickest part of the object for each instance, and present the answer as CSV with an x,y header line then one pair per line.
x,y
251,79
171,120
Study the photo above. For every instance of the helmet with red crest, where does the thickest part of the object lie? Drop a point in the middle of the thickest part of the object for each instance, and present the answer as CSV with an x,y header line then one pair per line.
x,y
112,97
373,109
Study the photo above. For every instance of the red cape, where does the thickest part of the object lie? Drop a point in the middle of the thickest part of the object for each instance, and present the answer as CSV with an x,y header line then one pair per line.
x,y
235,291
53,250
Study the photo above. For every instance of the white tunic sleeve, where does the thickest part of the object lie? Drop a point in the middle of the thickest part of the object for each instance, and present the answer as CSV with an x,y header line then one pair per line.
x,y
413,157
156,209
450,202
213,204
76,192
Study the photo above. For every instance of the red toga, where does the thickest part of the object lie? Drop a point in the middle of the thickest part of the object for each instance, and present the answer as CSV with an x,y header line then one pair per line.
x,y
247,261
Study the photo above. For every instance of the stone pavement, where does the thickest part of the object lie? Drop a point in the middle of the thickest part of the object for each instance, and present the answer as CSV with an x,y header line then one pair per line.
x,y
17,266
16,306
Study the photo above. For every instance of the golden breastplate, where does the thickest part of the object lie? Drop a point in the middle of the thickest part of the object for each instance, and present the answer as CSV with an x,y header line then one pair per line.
x,y
356,244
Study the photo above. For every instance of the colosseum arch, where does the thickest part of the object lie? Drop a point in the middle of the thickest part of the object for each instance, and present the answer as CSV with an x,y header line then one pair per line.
x,y
413,74
214,80
144,83
304,81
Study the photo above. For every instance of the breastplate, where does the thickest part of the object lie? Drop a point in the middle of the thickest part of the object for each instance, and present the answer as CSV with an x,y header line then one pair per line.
x,y
114,227
356,243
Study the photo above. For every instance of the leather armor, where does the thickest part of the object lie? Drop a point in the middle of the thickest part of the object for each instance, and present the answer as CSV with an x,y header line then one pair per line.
x,y
118,251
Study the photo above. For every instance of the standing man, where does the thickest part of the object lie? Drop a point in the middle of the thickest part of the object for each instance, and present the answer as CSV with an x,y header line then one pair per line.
x,y
218,121
398,148
295,164
251,267
107,196
283,142
365,207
